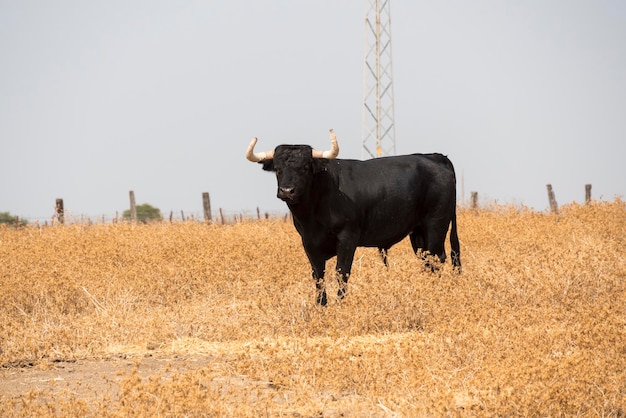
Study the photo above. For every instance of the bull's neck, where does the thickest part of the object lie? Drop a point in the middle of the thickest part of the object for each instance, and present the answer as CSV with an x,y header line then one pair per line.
x,y
302,210
314,199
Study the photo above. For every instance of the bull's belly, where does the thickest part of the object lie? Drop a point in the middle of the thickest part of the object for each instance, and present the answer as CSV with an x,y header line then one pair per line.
x,y
387,223
384,237
381,243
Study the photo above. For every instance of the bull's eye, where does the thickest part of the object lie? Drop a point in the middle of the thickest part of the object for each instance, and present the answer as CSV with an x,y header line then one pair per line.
x,y
278,172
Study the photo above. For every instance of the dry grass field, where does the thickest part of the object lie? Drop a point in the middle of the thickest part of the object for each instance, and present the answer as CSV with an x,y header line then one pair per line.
x,y
188,319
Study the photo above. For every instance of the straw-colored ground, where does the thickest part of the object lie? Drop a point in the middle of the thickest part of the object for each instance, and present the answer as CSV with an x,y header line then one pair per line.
x,y
188,319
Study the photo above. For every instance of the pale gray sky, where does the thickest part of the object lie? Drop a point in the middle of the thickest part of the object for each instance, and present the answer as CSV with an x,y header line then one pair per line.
x,y
101,97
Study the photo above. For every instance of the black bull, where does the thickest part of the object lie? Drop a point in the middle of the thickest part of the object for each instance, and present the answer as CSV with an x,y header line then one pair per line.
x,y
339,205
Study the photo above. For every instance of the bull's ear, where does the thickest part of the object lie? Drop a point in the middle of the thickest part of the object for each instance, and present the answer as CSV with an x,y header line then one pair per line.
x,y
268,165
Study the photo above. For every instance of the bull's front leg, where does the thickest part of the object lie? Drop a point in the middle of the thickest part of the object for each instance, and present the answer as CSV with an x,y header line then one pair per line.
x,y
342,279
318,276
345,256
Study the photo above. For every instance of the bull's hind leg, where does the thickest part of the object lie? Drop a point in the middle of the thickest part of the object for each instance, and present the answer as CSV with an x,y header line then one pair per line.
x,y
429,244
435,239
418,244
417,240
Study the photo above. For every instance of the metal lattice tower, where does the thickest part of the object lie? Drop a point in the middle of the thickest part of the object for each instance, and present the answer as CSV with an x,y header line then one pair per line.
x,y
379,131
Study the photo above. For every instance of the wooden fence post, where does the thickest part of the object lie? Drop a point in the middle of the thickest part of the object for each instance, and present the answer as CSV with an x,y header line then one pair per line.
x,y
206,205
554,208
587,193
474,200
133,207
222,216
58,207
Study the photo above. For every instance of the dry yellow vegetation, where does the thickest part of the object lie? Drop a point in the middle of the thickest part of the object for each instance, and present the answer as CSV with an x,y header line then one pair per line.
x,y
535,325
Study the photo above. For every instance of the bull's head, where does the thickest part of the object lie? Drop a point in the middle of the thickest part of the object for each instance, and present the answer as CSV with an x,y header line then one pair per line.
x,y
294,166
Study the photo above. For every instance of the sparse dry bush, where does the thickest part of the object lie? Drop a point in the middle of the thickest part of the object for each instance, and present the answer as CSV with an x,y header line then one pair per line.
x,y
535,325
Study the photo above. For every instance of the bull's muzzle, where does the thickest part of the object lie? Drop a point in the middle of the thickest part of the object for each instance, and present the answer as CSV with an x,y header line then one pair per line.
x,y
286,193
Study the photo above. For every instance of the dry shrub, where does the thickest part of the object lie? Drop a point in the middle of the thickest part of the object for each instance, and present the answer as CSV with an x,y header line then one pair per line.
x,y
535,325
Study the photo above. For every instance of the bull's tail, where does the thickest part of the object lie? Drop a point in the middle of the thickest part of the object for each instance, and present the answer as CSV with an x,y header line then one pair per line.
x,y
454,244
455,250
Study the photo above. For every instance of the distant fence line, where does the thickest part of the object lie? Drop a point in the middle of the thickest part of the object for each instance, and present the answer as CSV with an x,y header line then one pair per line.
x,y
228,217
63,216
554,207
225,217
220,218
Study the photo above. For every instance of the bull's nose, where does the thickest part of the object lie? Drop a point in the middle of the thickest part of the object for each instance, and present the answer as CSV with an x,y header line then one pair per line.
x,y
285,192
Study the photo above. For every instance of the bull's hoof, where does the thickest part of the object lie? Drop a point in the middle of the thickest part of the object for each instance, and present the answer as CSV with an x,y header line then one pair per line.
x,y
321,299
341,293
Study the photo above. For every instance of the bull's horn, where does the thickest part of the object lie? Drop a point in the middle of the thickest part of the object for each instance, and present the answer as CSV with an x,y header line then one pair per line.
x,y
256,157
332,152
